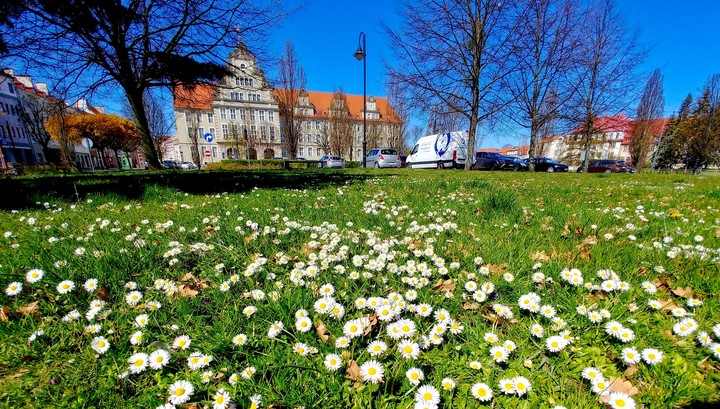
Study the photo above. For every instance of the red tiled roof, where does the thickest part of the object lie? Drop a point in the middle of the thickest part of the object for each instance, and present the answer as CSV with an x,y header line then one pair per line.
x,y
605,124
655,126
198,97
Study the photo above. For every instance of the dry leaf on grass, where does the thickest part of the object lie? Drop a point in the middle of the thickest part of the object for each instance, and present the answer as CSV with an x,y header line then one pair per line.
x,y
4,311
497,269
103,293
353,371
19,373
619,385
29,309
585,253
540,256
630,371
186,291
471,306
668,305
322,332
373,321
445,286
590,240
684,292
495,319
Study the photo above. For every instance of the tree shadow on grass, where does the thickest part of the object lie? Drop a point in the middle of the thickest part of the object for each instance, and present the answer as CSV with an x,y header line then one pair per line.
x,y
22,193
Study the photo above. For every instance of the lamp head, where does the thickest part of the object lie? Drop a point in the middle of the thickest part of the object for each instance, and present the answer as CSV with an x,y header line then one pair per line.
x,y
359,54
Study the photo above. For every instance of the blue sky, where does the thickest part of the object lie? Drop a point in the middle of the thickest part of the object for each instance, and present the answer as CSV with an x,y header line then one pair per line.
x,y
683,37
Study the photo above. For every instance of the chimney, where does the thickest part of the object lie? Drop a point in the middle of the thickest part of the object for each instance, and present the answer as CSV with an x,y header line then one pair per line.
x,y
42,87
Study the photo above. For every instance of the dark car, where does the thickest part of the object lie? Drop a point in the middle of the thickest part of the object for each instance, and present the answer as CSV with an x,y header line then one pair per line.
x,y
549,165
169,164
605,166
628,168
493,161
520,164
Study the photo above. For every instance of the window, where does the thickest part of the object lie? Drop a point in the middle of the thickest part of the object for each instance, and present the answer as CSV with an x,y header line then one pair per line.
x,y
187,116
223,113
271,116
211,117
262,115
212,132
301,151
235,96
11,89
199,117
241,96
252,114
272,133
263,132
201,132
214,151
237,81
309,151
242,114
233,114
224,130
253,131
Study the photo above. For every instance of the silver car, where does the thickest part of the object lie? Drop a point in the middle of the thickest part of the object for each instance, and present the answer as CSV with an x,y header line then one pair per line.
x,y
331,161
382,158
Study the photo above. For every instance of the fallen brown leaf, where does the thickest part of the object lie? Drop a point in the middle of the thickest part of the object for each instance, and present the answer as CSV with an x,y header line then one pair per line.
x,y
498,269
668,305
590,240
322,331
103,293
684,292
4,311
471,306
566,230
444,286
28,309
353,371
585,253
643,271
495,319
540,256
373,321
717,233
187,291
630,371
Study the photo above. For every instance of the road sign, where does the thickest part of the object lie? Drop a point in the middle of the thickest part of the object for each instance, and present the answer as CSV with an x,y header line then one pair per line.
x,y
208,153
208,137
86,142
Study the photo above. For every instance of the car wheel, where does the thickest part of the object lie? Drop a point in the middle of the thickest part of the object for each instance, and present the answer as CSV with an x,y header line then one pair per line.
x,y
377,165
440,165
409,166
608,171
551,169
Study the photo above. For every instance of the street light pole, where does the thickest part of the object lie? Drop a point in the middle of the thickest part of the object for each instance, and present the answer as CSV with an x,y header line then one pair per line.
x,y
361,54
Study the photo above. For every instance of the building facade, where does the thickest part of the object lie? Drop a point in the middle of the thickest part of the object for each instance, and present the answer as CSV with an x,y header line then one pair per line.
x,y
17,143
239,118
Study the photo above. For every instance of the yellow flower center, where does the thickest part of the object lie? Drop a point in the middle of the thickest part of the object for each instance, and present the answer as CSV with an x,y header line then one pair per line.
x,y
554,344
220,399
427,396
159,359
372,371
407,349
179,392
138,362
101,344
414,377
353,328
482,392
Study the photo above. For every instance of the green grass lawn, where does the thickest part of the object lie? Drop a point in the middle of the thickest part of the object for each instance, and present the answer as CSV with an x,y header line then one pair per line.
x,y
391,289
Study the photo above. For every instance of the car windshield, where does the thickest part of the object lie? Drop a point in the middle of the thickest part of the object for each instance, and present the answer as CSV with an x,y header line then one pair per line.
x,y
388,152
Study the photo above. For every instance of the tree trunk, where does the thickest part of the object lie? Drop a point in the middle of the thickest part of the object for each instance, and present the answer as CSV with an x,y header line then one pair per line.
x,y
135,99
533,142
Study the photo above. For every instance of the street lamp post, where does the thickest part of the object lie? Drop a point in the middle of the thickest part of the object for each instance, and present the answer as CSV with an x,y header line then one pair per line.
x,y
361,55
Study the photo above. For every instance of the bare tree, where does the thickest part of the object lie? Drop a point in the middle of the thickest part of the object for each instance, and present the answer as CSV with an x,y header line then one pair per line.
x,y
136,45
649,110
323,141
341,132
289,85
605,72
34,111
546,53
455,53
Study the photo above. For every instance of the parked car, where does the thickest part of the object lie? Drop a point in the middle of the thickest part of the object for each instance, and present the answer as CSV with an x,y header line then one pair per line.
x,y
605,166
628,168
549,165
493,161
300,158
169,164
187,166
520,164
331,161
440,151
382,158
403,161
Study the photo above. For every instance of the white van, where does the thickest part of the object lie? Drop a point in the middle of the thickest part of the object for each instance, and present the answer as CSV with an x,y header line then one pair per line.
x,y
445,150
